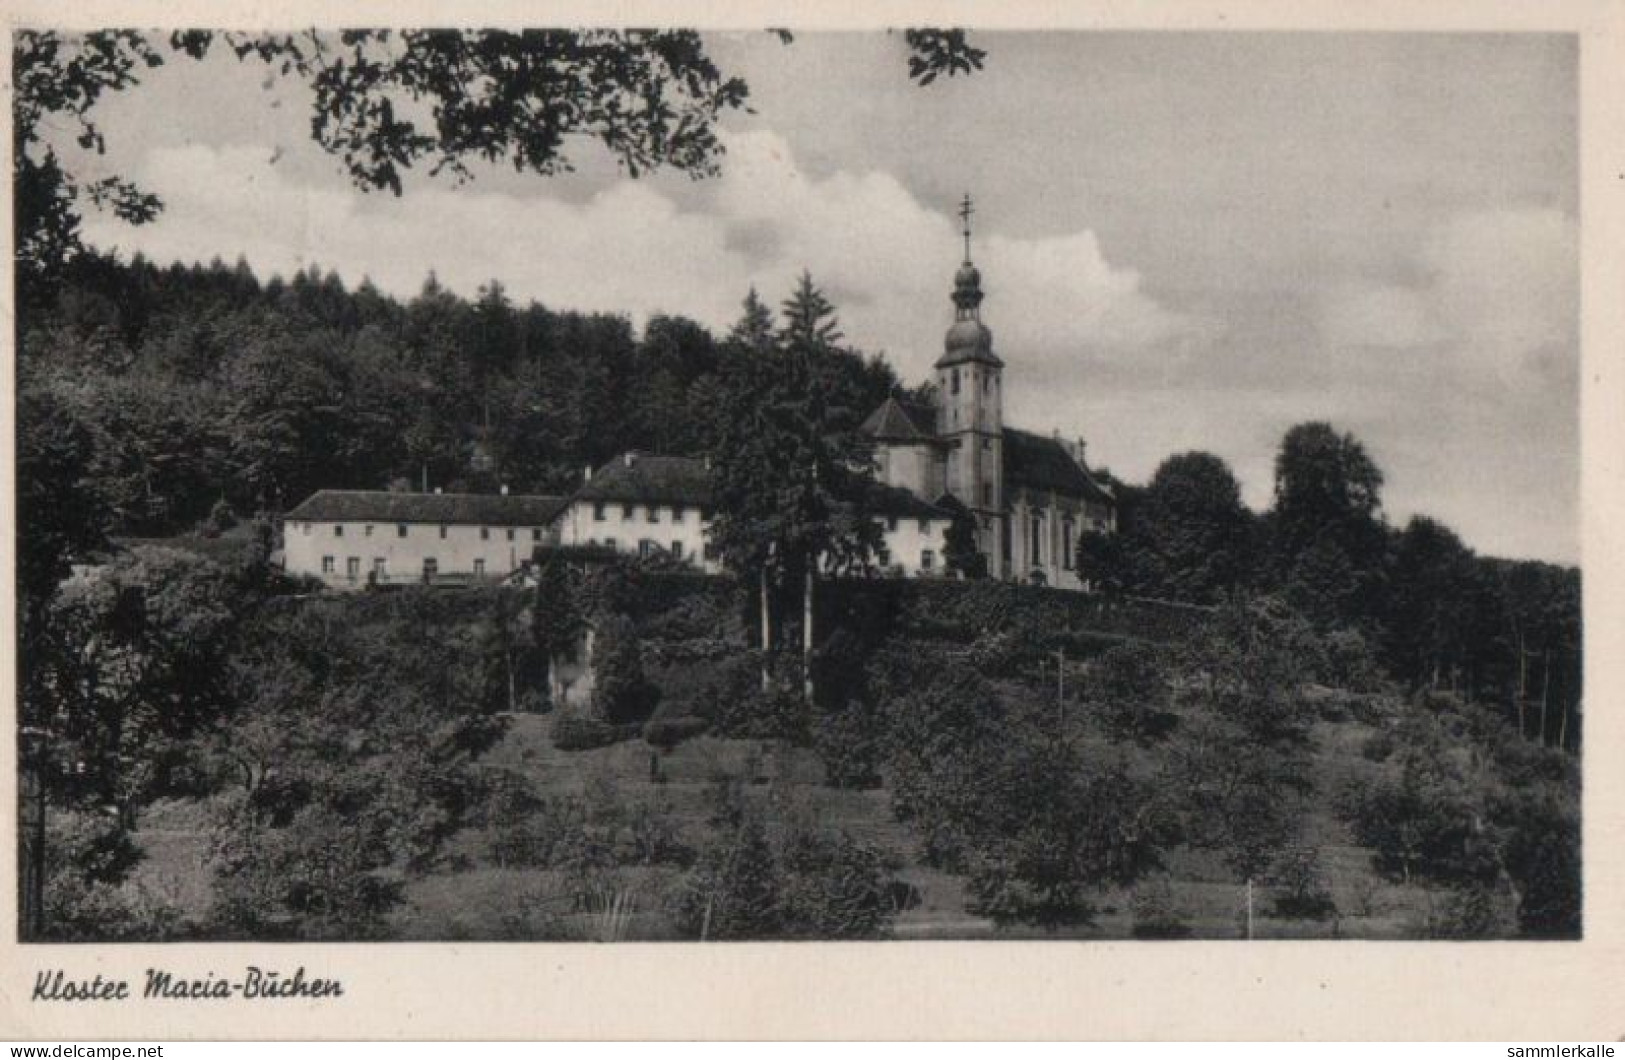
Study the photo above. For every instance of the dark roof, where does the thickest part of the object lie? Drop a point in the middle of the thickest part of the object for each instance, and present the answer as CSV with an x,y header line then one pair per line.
x,y
895,422
1039,463
484,509
650,480
894,500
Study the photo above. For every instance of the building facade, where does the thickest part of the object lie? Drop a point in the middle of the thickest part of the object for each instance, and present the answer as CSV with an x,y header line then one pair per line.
x,y
1032,497
647,504
643,504
355,538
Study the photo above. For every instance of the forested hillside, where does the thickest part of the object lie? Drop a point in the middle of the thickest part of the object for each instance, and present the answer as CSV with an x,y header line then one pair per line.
x,y
1371,725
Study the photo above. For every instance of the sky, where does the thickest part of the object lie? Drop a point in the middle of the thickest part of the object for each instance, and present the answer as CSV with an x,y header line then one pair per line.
x,y
1188,240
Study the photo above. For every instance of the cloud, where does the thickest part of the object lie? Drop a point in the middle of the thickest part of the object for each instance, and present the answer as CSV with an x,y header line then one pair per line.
x,y
1497,290
885,258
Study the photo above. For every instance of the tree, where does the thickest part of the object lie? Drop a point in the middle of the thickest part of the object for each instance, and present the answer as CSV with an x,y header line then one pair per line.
x,y
1055,832
792,473
1240,763
1430,604
1128,686
620,691
1191,531
556,621
385,101
1326,523
960,552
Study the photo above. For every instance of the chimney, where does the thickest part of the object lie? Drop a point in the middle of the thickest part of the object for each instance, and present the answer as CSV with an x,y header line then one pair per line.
x,y
1081,449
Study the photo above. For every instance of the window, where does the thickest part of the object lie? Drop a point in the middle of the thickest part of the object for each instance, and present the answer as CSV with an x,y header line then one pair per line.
x,y
955,377
654,513
884,556
987,382
368,532
1036,552
987,445
1067,529
380,569
927,559
400,529
598,513
352,568
925,526
485,533
431,567
676,550
479,568
609,543
711,552
535,533
327,565
891,524
338,529
677,513
510,533
628,512
987,494
442,531
646,548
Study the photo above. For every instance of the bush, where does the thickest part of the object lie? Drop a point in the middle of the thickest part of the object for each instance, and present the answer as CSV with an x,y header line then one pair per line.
x,y
323,876
1156,916
1473,911
1379,747
575,731
620,691
1302,892
779,713
667,733
79,910
1128,687
850,743
816,885
1347,662
1542,853
93,847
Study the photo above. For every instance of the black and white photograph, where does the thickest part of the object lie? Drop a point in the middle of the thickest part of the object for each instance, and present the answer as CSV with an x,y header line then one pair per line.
x,y
579,485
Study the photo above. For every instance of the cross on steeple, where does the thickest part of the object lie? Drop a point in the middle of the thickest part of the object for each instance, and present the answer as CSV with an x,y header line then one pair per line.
x,y
965,210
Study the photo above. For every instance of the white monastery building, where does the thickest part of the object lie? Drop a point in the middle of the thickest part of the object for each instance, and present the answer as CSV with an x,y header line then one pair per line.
x,y
1031,497
354,538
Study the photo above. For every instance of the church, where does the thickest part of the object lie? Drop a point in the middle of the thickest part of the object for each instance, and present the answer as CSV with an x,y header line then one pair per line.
x,y
1032,496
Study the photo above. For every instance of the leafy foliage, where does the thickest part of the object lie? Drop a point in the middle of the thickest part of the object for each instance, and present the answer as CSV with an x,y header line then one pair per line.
x,y
811,884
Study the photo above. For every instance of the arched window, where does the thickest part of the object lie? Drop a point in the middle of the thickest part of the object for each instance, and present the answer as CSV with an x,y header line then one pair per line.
x,y
1036,554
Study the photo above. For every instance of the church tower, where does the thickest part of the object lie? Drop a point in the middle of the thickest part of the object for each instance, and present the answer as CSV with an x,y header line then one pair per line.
x,y
970,410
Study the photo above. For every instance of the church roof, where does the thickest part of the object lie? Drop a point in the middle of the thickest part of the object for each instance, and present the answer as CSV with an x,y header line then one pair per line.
x,y
647,479
893,422
968,340
894,500
1039,463
482,509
